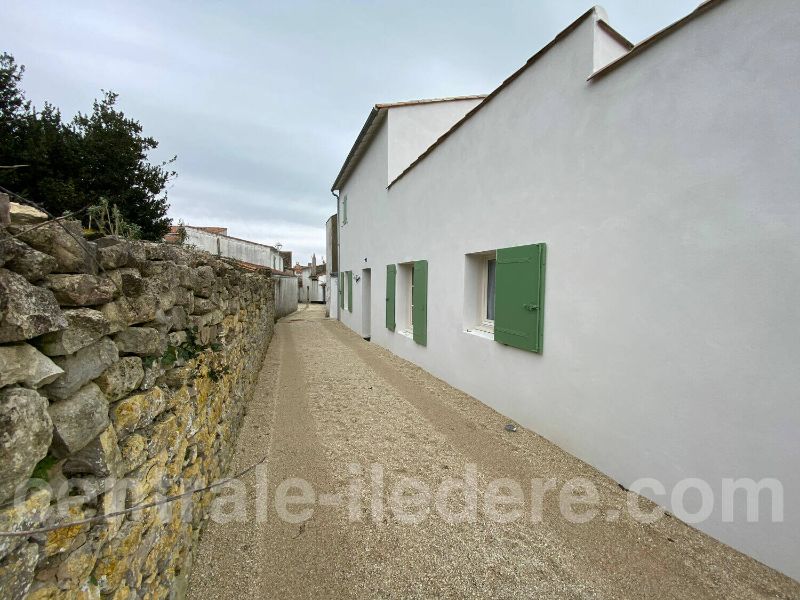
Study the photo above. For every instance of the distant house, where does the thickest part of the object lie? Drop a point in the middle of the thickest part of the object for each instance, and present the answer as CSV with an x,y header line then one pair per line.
x,y
217,241
312,281
606,249
332,266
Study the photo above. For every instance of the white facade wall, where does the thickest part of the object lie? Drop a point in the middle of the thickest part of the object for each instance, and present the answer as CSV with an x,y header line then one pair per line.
x,y
223,245
285,295
312,290
414,127
333,298
666,192
331,266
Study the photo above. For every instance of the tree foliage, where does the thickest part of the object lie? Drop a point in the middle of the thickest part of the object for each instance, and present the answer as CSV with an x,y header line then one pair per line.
x,y
72,165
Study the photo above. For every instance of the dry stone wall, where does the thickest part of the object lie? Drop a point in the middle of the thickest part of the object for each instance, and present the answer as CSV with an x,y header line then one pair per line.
x,y
124,372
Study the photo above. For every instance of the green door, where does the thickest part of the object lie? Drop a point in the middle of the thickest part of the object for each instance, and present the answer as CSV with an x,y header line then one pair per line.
x,y
391,285
519,296
419,302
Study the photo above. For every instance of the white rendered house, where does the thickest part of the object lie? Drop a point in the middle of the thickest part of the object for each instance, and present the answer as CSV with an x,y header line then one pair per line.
x,y
606,249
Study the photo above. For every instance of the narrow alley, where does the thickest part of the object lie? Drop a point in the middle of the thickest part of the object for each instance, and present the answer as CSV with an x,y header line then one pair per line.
x,y
331,408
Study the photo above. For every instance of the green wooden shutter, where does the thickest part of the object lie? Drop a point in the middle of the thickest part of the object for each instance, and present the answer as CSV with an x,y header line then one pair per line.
x,y
419,302
350,291
391,284
519,296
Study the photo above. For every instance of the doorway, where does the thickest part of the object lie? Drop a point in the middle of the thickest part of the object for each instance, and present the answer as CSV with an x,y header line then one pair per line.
x,y
366,303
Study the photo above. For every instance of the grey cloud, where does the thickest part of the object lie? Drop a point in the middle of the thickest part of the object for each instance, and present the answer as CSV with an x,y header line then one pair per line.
x,y
262,100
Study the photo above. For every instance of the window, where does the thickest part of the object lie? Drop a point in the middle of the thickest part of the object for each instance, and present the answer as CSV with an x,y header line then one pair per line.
x,y
504,295
404,287
488,268
411,300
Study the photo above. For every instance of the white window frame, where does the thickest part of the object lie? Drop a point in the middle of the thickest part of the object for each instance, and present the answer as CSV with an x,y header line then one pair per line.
x,y
405,274
409,291
484,323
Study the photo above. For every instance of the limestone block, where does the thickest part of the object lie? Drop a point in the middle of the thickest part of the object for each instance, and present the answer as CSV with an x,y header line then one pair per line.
x,y
202,282
78,419
232,307
178,318
109,240
16,572
28,514
77,566
207,335
81,367
128,311
112,564
167,298
203,306
99,457
129,280
26,311
144,341
24,214
121,378
80,289
146,480
134,452
177,338
138,410
164,434
22,363
85,326
114,256
185,298
161,323
63,241
165,271
152,371
25,434
26,261
61,540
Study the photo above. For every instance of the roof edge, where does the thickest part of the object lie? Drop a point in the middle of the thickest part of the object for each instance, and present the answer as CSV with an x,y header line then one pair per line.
x,y
657,36
231,237
359,138
510,79
383,106
430,101
605,26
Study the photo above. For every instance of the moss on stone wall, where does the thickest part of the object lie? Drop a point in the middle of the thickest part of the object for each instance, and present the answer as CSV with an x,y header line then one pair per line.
x,y
126,367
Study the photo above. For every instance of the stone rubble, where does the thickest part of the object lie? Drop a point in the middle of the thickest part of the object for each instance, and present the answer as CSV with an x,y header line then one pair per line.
x,y
120,362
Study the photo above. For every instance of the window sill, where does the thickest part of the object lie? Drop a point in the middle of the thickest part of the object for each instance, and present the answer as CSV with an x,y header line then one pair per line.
x,y
481,333
409,333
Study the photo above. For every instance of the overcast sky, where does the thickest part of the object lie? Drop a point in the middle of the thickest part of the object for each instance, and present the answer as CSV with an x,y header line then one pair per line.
x,y
261,101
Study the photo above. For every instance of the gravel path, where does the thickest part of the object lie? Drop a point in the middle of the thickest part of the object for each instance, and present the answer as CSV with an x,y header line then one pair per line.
x,y
334,410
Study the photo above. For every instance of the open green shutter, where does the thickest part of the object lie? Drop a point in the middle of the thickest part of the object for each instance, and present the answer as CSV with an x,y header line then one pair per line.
x,y
519,296
350,291
391,284
419,302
